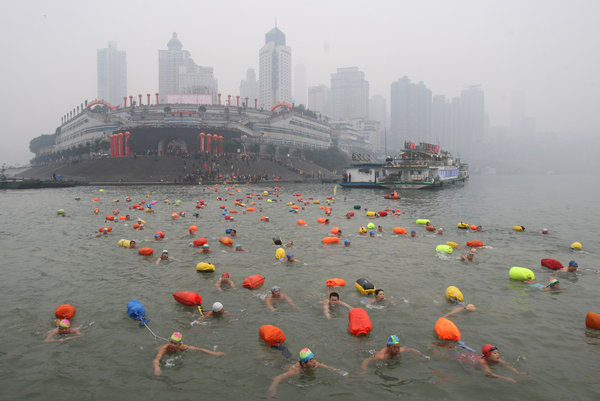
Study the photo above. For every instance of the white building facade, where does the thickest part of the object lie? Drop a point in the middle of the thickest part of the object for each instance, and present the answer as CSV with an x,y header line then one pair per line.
x,y
275,70
349,94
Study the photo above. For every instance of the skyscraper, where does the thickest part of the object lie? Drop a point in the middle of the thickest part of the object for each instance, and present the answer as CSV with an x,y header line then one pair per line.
x,y
319,99
112,74
300,90
378,112
249,87
349,94
275,71
472,117
410,112
178,73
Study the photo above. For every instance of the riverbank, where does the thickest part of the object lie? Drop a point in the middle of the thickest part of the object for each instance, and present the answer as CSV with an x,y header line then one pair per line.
x,y
163,170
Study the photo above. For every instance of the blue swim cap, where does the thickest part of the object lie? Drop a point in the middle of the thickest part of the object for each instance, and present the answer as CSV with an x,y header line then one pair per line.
x,y
346,241
194,214
289,255
573,263
238,245
393,340
371,233
413,231
228,230
223,214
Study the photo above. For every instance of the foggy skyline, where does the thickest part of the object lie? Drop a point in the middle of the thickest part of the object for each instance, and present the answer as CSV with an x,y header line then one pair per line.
x,y
545,50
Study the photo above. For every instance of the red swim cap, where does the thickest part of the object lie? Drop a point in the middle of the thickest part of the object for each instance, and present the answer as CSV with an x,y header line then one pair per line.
x,y
487,348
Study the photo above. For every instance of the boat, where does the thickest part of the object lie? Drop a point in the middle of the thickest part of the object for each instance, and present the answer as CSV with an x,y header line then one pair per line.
x,y
32,183
422,166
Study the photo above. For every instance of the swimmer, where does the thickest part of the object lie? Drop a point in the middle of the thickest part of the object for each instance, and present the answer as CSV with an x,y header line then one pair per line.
x,y
491,355
479,228
290,258
468,257
132,244
334,299
156,236
346,242
239,248
379,297
277,295
440,231
64,328
460,308
164,256
182,214
205,249
390,351
571,268
544,231
196,214
380,229
306,363
371,234
326,221
348,216
413,233
104,231
176,345
217,311
224,280
553,284
127,217
289,244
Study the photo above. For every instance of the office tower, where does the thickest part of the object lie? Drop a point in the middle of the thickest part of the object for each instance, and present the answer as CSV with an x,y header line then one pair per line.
x,y
112,74
300,90
349,94
275,71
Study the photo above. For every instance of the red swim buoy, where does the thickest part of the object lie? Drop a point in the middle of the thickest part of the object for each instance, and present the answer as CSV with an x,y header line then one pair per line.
x,y
474,244
146,251
592,320
359,323
335,282
188,298
199,242
399,230
551,264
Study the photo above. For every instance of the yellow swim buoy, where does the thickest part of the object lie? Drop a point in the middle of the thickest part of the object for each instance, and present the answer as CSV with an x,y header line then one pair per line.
x,y
452,244
453,294
462,225
576,245
518,228
204,267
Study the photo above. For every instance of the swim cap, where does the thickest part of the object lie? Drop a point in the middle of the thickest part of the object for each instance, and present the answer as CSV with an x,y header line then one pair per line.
x,y
217,307
156,236
573,263
228,231
553,282
275,288
487,348
544,229
413,232
238,245
177,337
225,274
64,324
289,255
164,252
393,340
346,241
105,229
205,246
306,355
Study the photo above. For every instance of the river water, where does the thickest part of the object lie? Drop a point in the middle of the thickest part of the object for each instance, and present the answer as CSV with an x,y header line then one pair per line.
x,y
49,260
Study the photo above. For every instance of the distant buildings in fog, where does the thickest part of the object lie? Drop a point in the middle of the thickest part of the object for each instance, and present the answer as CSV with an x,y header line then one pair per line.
x,y
300,89
179,74
249,87
112,74
349,94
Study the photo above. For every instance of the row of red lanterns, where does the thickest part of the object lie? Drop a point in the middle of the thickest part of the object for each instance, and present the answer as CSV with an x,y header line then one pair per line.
x,y
209,137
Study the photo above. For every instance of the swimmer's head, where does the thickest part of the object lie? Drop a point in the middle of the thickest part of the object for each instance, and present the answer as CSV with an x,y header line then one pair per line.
x,y
393,340
371,234
156,236
105,230
205,246
217,307
64,324
544,231
164,252
275,289
306,355
487,350
176,337
289,256
238,246
225,275
334,295
573,264
553,283
379,294
347,242
228,231
413,233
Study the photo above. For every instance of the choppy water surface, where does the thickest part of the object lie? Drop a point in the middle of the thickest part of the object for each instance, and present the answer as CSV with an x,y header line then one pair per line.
x,y
49,260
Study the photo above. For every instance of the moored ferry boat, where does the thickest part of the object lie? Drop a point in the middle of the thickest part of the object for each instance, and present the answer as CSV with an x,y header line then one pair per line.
x,y
419,166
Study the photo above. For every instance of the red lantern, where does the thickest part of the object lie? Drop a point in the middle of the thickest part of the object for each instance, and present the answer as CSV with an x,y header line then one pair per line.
x,y
120,144
208,138
127,135
221,143
202,142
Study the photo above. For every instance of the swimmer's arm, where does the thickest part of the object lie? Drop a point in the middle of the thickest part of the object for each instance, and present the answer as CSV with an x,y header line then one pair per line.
x,y
326,309
345,304
206,351
414,351
176,260
269,304
489,372
232,283
512,369
322,365
161,351
291,302
218,284
366,362
157,261
372,301
276,380
455,310
49,338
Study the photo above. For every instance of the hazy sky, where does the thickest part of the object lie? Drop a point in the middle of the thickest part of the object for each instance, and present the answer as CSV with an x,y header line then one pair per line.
x,y
549,50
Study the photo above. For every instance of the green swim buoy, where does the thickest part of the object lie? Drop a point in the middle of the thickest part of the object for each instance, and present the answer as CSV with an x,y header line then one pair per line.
x,y
357,207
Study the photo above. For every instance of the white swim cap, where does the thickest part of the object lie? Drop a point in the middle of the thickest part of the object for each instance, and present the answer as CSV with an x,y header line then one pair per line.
x,y
217,307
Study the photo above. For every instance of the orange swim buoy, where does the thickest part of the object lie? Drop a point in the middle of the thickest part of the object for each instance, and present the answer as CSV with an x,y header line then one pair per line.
x,y
271,335
122,218
109,218
430,228
250,209
146,251
473,227
96,211
399,230
101,229
233,211
64,311
359,323
160,234
226,241
193,228
222,207
95,199
295,207
188,298
199,242
446,330
136,226
474,244
330,240
321,220
253,281
335,282
592,320
335,230
301,222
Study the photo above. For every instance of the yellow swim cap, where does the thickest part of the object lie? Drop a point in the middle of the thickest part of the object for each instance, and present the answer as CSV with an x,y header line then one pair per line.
x,y
453,294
